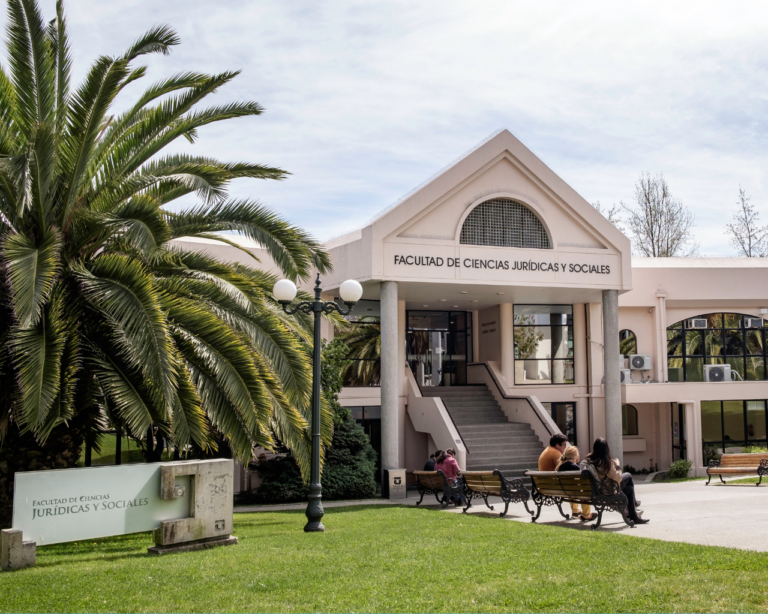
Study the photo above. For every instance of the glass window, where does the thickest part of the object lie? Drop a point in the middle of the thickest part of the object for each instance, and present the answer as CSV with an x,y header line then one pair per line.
x,y
628,420
733,421
725,341
755,368
543,336
756,420
711,421
363,338
439,346
627,342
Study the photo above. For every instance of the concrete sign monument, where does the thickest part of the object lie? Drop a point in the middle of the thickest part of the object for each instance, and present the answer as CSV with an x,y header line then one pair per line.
x,y
187,504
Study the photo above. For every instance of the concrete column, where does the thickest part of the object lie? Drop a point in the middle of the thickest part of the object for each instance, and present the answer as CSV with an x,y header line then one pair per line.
x,y
401,387
613,428
507,343
390,377
693,447
660,360
580,345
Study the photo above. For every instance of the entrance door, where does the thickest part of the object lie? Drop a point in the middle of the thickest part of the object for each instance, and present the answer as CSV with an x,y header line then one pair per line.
x,y
564,415
678,432
439,346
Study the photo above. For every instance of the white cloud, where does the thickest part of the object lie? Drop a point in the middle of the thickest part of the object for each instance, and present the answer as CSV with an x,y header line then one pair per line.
x,y
366,99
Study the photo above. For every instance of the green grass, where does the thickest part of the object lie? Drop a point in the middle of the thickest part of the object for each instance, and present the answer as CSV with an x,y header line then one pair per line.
x,y
381,559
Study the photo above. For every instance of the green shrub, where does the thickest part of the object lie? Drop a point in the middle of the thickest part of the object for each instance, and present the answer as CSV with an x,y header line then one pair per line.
x,y
710,454
755,450
350,463
679,469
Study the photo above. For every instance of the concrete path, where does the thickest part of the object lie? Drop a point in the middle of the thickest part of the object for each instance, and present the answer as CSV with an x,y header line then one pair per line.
x,y
733,516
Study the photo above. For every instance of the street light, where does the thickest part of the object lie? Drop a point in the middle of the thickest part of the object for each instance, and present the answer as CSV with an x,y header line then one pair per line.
x,y
285,291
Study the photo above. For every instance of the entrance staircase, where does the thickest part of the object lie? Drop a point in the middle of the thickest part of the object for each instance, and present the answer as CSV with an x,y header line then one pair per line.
x,y
493,442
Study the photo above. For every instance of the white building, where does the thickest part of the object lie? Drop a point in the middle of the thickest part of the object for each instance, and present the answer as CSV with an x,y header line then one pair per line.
x,y
503,298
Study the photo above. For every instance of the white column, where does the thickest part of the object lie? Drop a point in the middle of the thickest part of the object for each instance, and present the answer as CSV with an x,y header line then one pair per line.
x,y
613,427
693,447
660,368
390,377
507,343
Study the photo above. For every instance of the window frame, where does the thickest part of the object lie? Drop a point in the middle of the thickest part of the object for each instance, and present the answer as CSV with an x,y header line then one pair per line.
x,y
551,360
709,353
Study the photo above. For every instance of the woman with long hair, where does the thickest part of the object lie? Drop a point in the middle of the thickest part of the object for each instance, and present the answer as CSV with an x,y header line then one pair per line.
x,y
607,468
450,468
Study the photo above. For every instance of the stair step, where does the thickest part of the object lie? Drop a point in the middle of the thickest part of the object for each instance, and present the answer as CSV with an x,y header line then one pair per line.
x,y
506,427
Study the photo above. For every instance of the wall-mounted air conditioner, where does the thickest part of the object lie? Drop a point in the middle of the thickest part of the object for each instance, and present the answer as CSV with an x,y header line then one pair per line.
x,y
753,322
639,362
626,376
696,323
717,373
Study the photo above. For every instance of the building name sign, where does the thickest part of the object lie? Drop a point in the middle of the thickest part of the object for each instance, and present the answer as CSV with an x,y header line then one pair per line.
x,y
65,505
505,265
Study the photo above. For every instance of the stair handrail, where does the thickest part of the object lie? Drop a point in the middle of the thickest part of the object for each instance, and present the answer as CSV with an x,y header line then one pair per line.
x,y
504,395
447,411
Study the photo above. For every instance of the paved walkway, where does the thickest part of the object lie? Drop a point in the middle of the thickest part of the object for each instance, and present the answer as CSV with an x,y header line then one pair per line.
x,y
733,516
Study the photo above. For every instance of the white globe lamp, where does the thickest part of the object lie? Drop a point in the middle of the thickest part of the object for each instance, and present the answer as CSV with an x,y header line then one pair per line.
x,y
350,292
284,291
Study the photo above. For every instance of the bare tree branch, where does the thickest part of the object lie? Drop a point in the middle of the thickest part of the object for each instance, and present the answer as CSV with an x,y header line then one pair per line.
x,y
659,225
747,236
612,214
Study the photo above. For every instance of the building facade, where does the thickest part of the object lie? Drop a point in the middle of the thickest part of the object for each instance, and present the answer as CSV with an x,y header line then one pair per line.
x,y
507,309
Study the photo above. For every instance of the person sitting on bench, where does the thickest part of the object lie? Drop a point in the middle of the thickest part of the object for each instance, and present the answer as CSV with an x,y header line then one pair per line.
x,y
569,462
551,455
607,469
430,464
450,468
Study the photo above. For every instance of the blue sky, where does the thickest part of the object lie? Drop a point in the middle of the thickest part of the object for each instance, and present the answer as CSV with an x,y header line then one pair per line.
x,y
365,100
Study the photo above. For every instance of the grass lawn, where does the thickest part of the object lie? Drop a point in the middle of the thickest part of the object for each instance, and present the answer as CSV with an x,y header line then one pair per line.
x,y
380,559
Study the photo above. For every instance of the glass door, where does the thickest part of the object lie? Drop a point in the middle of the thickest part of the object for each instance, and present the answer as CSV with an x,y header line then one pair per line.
x,y
678,432
564,415
439,346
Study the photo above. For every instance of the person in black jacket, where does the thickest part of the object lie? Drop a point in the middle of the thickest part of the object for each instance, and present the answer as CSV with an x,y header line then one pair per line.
x,y
570,462
430,464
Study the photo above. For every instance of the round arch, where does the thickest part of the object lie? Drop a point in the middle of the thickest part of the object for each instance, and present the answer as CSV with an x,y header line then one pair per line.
x,y
530,212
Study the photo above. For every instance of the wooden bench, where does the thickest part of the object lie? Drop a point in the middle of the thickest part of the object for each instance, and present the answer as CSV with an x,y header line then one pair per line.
x,y
435,483
739,464
484,484
554,487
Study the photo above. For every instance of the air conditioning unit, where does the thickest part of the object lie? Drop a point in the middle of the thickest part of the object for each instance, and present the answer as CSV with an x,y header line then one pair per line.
x,y
639,362
626,376
696,323
717,373
753,322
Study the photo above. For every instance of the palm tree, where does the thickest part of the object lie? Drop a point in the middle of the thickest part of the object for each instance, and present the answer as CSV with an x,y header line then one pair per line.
x,y
363,338
104,319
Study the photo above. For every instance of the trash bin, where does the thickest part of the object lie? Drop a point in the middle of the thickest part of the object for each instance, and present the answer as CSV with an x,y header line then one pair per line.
x,y
393,484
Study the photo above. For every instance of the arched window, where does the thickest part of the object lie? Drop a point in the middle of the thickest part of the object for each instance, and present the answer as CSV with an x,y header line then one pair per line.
x,y
503,222
627,342
628,420
731,339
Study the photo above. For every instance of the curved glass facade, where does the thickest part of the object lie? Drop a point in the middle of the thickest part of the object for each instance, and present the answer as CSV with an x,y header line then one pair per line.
x,y
734,339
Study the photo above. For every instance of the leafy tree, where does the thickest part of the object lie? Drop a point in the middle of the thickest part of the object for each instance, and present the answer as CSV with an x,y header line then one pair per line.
x,y
659,225
746,235
350,461
364,341
526,337
102,318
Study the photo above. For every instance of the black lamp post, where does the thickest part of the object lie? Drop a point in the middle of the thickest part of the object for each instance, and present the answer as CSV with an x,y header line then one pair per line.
x,y
285,291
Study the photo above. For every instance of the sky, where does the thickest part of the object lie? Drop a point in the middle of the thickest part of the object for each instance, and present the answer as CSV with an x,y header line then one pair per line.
x,y
365,100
